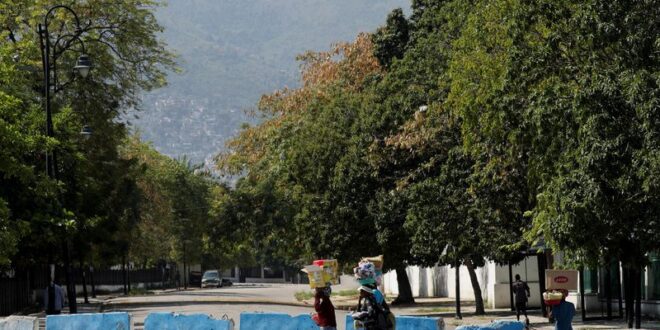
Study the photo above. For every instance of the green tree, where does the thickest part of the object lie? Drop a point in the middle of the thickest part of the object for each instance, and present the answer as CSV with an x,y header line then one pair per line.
x,y
173,206
315,147
451,202
121,38
566,94
18,137
390,40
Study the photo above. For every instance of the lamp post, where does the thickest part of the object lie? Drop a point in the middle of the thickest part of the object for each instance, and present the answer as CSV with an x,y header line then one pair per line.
x,y
50,53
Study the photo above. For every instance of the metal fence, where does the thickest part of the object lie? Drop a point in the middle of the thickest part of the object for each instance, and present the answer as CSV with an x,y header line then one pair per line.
x,y
23,288
15,295
116,276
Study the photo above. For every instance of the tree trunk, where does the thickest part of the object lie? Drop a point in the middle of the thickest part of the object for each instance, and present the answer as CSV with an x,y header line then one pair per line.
x,y
628,293
478,299
405,291
608,291
638,298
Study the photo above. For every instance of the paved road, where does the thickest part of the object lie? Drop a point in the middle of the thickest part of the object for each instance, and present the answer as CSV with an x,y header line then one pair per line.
x,y
255,294
202,301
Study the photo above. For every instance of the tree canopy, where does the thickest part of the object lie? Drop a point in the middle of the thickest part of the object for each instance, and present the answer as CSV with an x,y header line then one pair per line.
x,y
94,196
470,131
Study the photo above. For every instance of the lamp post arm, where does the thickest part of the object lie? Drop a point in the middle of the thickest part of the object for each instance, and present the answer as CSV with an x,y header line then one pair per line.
x,y
67,44
52,10
57,85
51,160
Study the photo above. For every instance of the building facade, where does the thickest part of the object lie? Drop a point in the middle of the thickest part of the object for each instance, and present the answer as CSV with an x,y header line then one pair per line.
x,y
494,280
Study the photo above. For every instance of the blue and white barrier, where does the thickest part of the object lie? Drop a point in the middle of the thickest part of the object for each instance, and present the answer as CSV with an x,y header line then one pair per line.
x,y
172,321
269,321
497,325
98,321
15,322
409,322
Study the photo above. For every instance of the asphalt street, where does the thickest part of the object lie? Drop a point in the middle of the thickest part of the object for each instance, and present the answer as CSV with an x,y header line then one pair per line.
x,y
243,298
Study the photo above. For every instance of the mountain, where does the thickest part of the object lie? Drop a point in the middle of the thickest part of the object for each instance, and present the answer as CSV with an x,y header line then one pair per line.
x,y
233,51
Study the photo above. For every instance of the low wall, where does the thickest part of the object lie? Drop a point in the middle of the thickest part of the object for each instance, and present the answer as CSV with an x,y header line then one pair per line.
x,y
19,323
269,321
497,325
99,321
409,322
172,321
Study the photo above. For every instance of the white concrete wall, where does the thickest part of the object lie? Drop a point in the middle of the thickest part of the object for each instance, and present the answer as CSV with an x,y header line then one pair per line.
x,y
347,282
499,289
467,293
226,273
424,282
493,280
16,322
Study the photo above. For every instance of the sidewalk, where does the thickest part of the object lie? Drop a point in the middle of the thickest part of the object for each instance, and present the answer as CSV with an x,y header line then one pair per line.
x,y
445,308
422,306
537,321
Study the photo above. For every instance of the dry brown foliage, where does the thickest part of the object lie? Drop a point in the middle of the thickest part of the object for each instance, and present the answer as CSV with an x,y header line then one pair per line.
x,y
343,68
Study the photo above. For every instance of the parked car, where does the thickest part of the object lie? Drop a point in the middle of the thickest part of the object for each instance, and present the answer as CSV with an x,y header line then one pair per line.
x,y
226,282
195,278
212,278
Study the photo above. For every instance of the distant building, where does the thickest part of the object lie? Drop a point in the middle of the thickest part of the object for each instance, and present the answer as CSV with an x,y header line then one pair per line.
x,y
495,286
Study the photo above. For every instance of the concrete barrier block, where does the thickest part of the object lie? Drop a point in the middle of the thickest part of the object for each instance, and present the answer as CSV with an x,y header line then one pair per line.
x,y
16,322
268,321
172,321
497,325
97,321
420,323
409,322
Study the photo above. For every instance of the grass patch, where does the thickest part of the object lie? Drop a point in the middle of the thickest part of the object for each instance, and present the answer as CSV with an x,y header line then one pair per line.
x,y
304,295
436,310
346,293
454,322
139,292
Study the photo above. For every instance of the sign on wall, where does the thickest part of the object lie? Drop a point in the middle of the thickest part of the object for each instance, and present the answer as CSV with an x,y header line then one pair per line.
x,y
561,279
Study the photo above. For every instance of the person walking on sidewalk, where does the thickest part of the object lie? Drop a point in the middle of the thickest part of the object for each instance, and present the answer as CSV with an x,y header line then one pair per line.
x,y
53,299
563,313
521,292
369,314
325,311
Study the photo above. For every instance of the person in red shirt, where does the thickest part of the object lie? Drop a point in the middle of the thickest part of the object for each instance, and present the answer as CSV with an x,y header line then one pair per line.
x,y
325,311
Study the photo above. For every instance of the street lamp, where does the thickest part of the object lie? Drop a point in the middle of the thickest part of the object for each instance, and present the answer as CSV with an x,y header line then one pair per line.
x,y
86,132
83,65
50,52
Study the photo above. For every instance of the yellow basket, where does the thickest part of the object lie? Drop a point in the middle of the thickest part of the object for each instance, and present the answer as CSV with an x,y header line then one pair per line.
x,y
320,276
